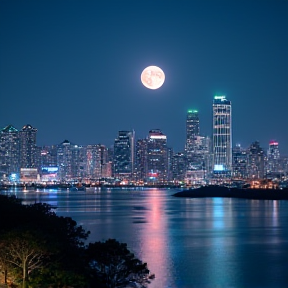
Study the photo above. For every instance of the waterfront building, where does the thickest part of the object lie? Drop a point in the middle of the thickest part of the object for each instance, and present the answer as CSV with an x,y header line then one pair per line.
x,y
9,151
222,136
29,175
157,158
93,162
239,162
199,165
192,131
48,156
71,161
28,148
96,162
141,160
123,160
255,161
179,166
273,158
170,155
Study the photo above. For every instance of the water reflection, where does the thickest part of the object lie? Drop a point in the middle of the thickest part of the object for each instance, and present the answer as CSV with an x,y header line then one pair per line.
x,y
209,242
154,239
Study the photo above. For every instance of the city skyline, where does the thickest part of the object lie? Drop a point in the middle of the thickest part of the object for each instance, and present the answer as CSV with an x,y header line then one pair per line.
x,y
73,70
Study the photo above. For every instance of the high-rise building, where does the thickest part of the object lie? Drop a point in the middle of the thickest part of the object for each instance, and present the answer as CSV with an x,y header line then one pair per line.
x,y
71,161
199,166
123,160
96,161
222,136
179,165
273,157
93,161
157,159
239,162
28,150
48,156
141,160
192,131
255,161
9,151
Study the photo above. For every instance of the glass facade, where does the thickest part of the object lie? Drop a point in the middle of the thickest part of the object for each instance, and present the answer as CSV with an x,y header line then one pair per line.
x,y
192,130
222,135
157,158
123,159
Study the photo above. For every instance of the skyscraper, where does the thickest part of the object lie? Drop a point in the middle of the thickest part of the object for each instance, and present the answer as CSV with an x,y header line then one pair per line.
x,y
157,158
9,150
222,136
239,162
273,157
96,161
141,159
255,161
93,161
192,131
71,161
123,160
28,157
179,166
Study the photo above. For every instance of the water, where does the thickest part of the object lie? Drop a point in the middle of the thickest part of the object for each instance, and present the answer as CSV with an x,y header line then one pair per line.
x,y
209,242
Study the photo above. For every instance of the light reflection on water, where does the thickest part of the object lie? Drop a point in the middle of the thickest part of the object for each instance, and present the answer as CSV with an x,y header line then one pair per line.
x,y
209,242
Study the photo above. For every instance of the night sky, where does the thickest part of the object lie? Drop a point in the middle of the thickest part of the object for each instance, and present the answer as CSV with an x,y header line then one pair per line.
x,y
72,68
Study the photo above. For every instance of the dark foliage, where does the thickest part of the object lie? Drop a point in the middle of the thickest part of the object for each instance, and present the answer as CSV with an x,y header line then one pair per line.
x,y
113,265
60,258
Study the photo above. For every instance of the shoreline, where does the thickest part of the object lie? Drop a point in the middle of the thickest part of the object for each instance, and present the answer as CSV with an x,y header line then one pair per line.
x,y
242,193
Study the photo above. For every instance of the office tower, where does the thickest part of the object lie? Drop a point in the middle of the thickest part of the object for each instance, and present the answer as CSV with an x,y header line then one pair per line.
x,y
170,155
141,160
48,156
71,161
157,160
123,160
199,165
222,136
179,166
192,131
239,162
255,161
28,150
273,157
96,162
93,162
9,151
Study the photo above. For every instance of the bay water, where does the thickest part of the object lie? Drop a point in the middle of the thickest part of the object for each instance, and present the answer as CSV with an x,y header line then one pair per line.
x,y
186,242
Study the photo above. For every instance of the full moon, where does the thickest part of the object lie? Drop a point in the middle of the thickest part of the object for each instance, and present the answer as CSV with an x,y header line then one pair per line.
x,y
152,77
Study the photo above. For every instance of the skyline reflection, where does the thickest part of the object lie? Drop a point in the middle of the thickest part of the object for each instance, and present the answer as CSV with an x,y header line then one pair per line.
x,y
204,242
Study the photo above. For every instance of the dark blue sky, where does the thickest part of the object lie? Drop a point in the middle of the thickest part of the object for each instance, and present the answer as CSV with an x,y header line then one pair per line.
x,y
72,68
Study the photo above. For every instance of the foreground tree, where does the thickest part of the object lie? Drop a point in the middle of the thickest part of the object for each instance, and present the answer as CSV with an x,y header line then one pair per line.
x,y
24,251
42,250
113,265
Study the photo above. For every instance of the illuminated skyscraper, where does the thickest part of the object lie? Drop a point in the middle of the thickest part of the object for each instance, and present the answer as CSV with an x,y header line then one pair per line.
x,y
222,136
157,158
141,159
123,160
9,151
239,162
273,157
192,131
96,161
28,150
255,161
93,161
179,166
71,161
